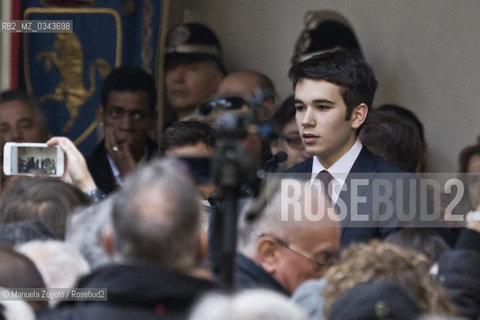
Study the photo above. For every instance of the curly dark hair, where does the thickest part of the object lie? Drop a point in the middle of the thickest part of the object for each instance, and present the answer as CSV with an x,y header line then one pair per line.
x,y
183,133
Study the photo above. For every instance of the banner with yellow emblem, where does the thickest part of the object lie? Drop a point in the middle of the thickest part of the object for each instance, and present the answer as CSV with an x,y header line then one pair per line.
x,y
65,70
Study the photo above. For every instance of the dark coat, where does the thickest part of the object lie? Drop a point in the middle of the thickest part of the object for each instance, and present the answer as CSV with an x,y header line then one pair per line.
x,y
370,167
134,293
459,273
100,167
248,274
366,162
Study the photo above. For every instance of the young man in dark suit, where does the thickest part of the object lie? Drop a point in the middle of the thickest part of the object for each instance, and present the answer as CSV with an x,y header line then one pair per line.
x,y
333,94
127,114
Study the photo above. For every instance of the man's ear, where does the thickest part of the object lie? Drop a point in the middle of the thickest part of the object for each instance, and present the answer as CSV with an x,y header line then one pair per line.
x,y
202,246
215,79
268,254
153,125
108,241
359,115
155,115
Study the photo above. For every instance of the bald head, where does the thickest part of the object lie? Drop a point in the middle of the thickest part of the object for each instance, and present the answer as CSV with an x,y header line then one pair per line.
x,y
293,240
248,85
243,83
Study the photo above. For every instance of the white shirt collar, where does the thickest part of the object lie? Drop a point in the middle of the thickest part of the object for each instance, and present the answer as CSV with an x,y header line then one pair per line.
x,y
342,165
116,173
340,169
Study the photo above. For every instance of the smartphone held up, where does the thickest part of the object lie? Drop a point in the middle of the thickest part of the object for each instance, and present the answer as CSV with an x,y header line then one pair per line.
x,y
33,159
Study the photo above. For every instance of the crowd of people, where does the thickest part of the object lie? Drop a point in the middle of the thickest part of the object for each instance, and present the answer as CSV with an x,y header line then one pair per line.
x,y
248,207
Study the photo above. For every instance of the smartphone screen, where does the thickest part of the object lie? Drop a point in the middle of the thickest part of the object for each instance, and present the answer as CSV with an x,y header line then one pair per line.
x,y
33,159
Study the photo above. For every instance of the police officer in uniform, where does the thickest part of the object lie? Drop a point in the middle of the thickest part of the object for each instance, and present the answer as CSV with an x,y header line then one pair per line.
x,y
193,68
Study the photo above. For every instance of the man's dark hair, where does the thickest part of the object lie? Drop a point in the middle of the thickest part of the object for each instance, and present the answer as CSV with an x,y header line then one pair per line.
x,y
183,133
18,232
403,149
424,241
17,271
464,159
406,114
17,95
465,155
46,199
284,114
349,72
129,78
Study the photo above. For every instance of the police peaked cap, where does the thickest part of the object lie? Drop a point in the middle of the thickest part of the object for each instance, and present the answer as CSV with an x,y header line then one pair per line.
x,y
325,31
191,42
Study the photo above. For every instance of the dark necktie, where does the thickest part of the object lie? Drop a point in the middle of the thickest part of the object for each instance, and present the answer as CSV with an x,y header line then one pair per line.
x,y
325,177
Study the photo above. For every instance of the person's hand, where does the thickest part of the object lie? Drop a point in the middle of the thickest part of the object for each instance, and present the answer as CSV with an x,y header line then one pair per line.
x,y
473,222
76,170
120,154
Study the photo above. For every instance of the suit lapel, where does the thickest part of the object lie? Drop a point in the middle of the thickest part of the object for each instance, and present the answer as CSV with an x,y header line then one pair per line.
x,y
364,167
109,180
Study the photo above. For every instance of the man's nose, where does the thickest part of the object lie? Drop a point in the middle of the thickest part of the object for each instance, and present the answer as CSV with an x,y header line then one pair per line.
x,y
126,121
308,118
16,135
177,73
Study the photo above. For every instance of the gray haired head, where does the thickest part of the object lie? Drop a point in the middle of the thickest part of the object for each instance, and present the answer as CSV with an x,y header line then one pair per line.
x,y
156,217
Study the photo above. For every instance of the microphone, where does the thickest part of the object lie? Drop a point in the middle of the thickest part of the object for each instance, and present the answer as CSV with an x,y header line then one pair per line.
x,y
279,157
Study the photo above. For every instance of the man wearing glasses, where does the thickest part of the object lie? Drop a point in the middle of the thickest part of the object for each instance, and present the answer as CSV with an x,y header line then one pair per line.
x,y
289,140
280,252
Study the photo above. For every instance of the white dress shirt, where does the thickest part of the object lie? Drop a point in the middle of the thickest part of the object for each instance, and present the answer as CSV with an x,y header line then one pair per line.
x,y
116,173
339,170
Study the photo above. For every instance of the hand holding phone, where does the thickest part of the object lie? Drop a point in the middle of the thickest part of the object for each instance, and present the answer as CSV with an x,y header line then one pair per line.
x,y
76,169
33,159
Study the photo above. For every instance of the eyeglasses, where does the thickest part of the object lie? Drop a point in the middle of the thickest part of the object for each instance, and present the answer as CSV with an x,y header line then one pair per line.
x,y
321,262
227,104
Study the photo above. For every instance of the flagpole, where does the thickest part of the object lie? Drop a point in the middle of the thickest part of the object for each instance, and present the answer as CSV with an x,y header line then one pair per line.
x,y
159,70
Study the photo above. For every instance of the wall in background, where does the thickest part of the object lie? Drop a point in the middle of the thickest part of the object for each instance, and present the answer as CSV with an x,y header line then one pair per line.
x,y
425,54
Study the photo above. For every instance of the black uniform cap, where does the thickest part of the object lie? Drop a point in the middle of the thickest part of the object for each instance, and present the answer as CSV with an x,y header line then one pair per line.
x,y
191,42
325,31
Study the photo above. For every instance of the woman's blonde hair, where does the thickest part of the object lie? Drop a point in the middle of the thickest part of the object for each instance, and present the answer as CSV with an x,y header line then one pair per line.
x,y
383,261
